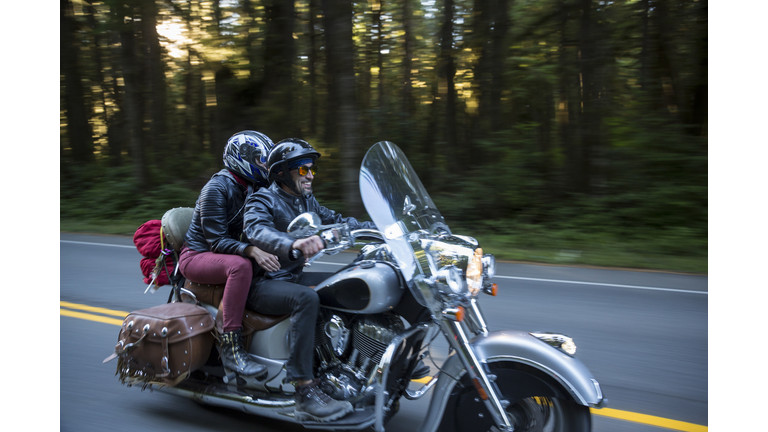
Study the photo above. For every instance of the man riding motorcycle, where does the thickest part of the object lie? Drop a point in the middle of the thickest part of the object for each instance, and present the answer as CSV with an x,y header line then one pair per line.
x,y
268,212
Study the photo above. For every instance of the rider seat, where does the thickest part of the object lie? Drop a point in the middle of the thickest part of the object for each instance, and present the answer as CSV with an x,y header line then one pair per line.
x,y
175,224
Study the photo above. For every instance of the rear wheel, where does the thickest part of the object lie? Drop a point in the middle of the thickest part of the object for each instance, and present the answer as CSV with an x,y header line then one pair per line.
x,y
536,405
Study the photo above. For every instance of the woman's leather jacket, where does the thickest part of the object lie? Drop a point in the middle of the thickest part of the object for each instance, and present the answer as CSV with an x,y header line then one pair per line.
x,y
217,222
267,215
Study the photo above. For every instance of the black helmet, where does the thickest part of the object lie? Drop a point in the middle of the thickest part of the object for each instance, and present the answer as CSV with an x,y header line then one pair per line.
x,y
287,154
244,152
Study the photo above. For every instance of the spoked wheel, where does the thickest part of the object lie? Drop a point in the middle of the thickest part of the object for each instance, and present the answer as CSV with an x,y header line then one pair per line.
x,y
466,412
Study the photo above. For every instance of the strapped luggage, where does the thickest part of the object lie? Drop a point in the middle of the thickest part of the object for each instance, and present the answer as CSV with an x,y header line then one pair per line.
x,y
163,344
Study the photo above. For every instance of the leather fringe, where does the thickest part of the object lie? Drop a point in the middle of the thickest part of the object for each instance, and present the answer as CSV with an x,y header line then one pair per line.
x,y
135,377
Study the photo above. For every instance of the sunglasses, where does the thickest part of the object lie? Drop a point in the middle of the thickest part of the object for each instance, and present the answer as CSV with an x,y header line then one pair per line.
x,y
304,170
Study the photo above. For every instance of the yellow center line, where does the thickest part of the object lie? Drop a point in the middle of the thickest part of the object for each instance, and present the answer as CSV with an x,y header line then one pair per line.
x,y
605,412
649,420
69,305
90,317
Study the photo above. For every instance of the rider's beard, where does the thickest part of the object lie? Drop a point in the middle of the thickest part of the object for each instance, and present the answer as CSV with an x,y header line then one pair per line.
x,y
304,186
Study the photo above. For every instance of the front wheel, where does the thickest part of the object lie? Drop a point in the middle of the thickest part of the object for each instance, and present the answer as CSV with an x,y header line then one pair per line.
x,y
536,405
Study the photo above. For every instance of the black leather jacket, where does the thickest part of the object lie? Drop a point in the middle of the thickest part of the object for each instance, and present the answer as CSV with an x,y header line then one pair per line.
x,y
217,222
267,215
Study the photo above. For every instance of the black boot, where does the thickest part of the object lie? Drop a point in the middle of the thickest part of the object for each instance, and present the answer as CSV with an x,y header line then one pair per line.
x,y
312,404
235,358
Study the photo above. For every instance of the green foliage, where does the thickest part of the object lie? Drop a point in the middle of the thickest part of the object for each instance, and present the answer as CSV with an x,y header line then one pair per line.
x,y
593,152
109,198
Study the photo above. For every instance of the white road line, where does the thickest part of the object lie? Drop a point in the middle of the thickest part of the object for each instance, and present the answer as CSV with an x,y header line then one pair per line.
x,y
98,244
497,276
604,284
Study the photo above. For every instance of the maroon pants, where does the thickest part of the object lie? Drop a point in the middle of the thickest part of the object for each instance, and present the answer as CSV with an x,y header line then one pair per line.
x,y
234,271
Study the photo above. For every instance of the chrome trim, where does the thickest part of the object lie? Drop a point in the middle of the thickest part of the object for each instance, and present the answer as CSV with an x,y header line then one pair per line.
x,y
276,409
602,401
367,233
451,313
189,293
475,316
417,394
466,354
379,375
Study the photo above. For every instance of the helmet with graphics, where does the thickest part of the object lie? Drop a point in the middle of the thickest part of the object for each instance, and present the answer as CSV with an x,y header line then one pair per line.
x,y
246,155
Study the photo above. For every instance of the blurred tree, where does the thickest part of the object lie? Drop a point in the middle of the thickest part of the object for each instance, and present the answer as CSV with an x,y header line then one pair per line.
x,y
79,134
339,54
447,89
563,114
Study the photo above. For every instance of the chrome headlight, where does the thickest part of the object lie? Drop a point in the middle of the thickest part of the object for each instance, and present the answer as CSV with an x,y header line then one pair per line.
x,y
450,276
475,272
559,341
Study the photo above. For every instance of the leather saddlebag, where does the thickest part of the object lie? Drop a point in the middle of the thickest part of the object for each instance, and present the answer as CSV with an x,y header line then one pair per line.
x,y
163,344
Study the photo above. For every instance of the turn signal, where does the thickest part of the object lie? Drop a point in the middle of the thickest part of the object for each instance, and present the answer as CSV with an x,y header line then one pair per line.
x,y
460,314
491,289
454,314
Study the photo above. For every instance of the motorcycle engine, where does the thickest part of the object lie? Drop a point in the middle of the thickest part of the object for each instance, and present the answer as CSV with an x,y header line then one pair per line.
x,y
346,370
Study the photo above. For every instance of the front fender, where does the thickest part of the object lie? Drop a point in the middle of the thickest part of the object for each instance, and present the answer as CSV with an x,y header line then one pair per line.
x,y
517,347
520,347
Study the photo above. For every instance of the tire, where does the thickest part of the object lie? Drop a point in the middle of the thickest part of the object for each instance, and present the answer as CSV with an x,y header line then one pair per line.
x,y
538,405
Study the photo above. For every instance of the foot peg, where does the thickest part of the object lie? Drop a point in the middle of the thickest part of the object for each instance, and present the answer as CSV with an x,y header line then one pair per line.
x,y
233,378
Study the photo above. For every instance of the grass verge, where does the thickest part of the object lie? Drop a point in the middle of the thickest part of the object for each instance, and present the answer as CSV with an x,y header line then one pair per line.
x,y
539,246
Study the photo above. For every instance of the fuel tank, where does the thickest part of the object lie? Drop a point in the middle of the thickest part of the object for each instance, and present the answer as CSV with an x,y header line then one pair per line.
x,y
367,287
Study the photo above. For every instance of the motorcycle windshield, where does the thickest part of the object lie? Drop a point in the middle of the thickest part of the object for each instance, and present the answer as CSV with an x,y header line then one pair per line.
x,y
397,202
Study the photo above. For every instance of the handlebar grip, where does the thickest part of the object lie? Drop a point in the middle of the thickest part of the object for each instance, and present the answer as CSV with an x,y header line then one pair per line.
x,y
296,254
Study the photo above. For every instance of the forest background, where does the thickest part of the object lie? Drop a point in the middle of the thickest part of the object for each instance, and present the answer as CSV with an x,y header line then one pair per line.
x,y
556,131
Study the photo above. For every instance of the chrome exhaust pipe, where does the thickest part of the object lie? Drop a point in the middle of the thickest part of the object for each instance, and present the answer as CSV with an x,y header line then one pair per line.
x,y
210,395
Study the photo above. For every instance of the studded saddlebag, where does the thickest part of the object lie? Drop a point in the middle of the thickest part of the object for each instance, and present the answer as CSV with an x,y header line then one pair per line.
x,y
163,344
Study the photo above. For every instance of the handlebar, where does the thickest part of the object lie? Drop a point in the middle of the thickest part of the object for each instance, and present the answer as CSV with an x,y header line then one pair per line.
x,y
332,246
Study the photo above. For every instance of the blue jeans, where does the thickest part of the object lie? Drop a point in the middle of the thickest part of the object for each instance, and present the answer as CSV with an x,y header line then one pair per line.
x,y
279,297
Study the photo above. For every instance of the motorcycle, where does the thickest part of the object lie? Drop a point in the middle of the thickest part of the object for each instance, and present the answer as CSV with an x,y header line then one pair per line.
x,y
412,280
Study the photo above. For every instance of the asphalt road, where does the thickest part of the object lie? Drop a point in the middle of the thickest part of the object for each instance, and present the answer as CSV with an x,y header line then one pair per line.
x,y
644,336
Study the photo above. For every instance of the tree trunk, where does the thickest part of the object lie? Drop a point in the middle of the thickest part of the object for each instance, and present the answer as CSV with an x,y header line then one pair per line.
x,y
117,133
250,40
132,97
408,104
226,112
500,32
312,60
379,26
480,39
644,56
98,75
78,128
155,95
669,59
700,98
588,94
339,45
279,49
446,87
568,118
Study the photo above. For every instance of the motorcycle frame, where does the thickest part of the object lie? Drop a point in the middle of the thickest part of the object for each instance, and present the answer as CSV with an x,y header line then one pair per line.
x,y
469,357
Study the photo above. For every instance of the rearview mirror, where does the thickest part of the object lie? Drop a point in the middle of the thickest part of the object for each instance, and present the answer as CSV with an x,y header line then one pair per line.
x,y
305,225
